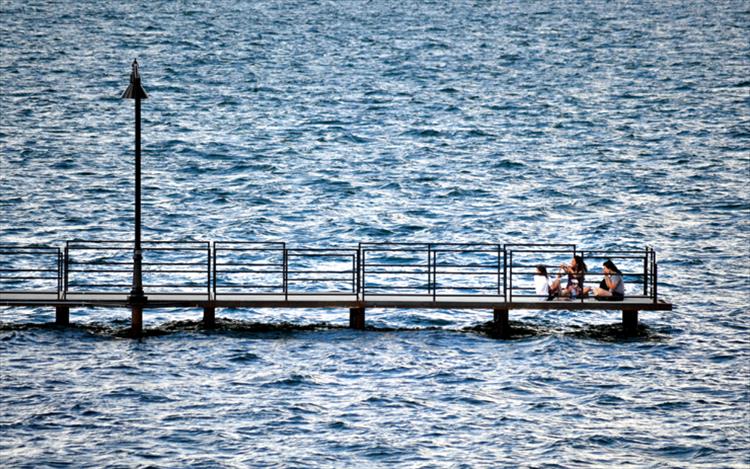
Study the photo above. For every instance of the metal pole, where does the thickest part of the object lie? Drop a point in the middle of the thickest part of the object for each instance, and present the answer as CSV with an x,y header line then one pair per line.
x,y
136,294
137,299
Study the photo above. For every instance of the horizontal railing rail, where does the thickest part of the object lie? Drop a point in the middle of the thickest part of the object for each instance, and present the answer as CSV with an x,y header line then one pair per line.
x,y
31,269
224,269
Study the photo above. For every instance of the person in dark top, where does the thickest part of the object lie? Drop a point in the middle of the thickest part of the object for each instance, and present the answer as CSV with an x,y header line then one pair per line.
x,y
612,287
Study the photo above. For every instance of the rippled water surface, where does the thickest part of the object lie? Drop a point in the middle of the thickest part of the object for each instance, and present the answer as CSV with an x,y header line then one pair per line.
x,y
330,123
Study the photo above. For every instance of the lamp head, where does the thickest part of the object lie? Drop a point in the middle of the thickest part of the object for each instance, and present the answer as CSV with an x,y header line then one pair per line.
x,y
134,90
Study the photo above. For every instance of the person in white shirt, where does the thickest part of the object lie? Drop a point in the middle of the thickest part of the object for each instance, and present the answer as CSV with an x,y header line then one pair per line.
x,y
544,287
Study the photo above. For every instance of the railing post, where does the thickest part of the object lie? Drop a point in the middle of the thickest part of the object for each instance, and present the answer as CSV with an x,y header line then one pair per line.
x,y
656,277
363,278
645,272
214,268
434,276
429,269
359,266
510,279
285,271
208,270
59,273
498,270
505,274
66,269
583,284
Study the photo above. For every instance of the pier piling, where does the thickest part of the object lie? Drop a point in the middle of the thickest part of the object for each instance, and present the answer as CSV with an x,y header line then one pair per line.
x,y
501,322
630,321
209,316
136,327
357,318
62,315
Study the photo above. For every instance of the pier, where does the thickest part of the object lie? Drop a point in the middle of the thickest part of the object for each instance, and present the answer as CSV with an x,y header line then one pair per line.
x,y
224,274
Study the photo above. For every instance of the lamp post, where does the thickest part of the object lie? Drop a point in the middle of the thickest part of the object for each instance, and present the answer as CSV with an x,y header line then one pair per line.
x,y
137,299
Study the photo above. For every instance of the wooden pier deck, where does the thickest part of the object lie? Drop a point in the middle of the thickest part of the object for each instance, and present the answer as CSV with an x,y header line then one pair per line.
x,y
356,305
180,300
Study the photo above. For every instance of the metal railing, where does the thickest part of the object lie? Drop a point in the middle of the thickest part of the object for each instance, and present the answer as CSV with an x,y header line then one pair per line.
x,y
431,269
547,254
638,267
247,268
237,268
268,268
31,269
169,267
318,271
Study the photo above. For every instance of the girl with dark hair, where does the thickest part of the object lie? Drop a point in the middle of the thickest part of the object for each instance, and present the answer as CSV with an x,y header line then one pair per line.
x,y
612,287
544,287
576,271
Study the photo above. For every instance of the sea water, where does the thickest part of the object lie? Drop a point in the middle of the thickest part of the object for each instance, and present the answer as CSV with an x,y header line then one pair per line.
x,y
330,123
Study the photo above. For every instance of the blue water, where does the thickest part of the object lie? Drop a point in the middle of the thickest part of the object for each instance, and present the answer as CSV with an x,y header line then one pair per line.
x,y
330,123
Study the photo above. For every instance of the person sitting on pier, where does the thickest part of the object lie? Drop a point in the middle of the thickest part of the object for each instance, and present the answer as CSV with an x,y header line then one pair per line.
x,y
547,289
612,287
576,271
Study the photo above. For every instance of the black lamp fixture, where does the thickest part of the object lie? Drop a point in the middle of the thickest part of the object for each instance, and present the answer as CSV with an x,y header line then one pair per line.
x,y
135,91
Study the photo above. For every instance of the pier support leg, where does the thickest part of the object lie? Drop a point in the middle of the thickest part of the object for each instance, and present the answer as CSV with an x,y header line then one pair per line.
x,y
357,318
136,322
62,315
501,324
209,316
630,321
